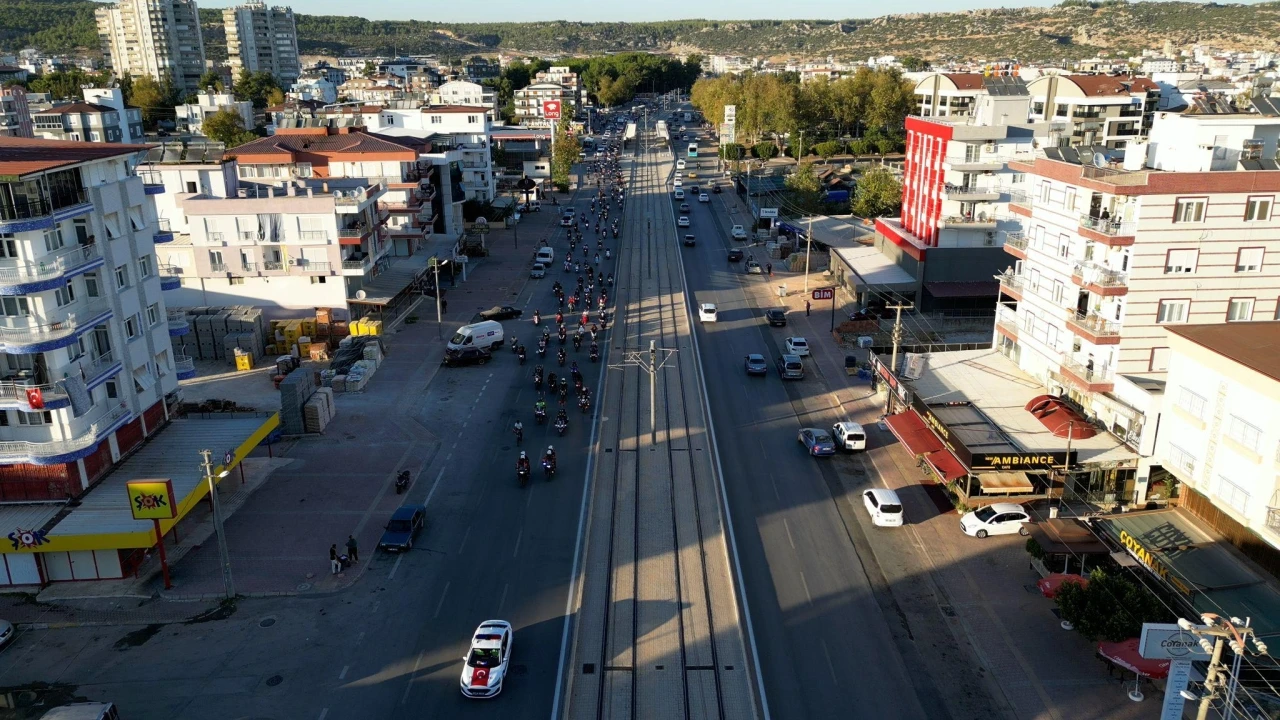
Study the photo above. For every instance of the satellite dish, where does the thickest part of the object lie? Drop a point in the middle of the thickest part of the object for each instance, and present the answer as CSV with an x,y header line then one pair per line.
x,y
1099,159
482,221
360,294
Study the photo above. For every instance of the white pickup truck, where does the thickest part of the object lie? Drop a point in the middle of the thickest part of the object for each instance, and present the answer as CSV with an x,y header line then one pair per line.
x,y
738,232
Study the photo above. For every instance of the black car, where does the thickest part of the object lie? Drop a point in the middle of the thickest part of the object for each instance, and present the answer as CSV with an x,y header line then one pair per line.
x,y
498,312
735,255
715,189
777,317
406,522
466,356
756,364
690,241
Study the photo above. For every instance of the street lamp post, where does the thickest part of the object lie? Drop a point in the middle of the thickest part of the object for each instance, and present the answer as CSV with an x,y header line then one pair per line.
x,y
435,265
224,557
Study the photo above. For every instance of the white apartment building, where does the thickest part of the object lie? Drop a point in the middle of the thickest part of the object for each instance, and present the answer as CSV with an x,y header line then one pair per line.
x,y
313,88
262,39
85,356
1097,109
1220,430
191,116
89,122
154,38
472,94
1183,232
529,102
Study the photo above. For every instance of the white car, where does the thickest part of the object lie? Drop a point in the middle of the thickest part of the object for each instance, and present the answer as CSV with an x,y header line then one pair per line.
x,y
703,197
571,212
738,232
566,220
683,221
679,194
538,271
485,664
677,183
680,164
996,519
797,346
884,507
850,435
707,312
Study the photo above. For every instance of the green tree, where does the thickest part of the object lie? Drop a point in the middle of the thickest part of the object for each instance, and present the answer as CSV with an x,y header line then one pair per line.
x,y
913,63
891,100
226,126
804,188
765,150
275,97
732,151
212,79
565,155
829,149
369,69
66,85
1110,608
878,193
256,87
156,99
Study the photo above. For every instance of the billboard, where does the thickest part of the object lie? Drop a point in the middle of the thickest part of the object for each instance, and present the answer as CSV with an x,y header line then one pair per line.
x,y
730,113
151,499
551,109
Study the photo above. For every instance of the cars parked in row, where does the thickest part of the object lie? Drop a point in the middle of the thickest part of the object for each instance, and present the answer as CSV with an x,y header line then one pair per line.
x,y
883,506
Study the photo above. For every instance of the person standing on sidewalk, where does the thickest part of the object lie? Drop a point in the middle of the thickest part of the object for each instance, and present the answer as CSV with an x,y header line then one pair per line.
x,y
769,268
333,559
352,551
806,308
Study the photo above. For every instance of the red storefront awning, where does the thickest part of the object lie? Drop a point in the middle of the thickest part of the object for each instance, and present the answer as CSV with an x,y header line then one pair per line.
x,y
946,465
911,431
1060,418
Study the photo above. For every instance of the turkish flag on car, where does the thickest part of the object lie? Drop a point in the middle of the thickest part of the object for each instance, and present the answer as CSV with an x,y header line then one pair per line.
x,y
480,678
35,398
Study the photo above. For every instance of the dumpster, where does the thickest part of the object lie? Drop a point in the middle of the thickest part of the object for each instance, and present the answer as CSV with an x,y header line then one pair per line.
x,y
850,365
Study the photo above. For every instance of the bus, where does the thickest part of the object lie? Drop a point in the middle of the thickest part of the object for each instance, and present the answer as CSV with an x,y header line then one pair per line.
x,y
693,150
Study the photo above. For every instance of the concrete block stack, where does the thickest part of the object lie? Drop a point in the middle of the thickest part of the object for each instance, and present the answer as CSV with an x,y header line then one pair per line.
x,y
318,411
296,389
216,333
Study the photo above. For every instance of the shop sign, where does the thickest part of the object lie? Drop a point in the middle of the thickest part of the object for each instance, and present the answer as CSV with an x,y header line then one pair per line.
x,y
1021,461
151,499
886,374
1167,641
1139,551
768,212
981,462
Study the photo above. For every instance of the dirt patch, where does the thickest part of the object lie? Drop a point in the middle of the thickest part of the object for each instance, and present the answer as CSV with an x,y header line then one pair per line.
x,y
225,609
138,637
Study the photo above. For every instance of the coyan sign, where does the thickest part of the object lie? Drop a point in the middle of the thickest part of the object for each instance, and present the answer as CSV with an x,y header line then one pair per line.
x,y
986,462
1152,563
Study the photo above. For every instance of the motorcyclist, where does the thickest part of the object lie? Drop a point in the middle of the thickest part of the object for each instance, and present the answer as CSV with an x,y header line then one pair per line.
x,y
518,429
564,387
562,415
540,409
561,357
577,341
595,351
521,353
549,457
522,464
537,378
559,318
561,334
537,318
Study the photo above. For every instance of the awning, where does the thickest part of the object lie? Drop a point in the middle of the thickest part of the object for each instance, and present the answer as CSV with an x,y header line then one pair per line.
x,y
976,288
1049,584
994,483
1125,654
1067,536
910,430
1060,418
946,465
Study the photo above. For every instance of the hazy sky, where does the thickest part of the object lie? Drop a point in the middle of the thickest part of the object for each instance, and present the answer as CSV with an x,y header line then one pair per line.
x,y
593,10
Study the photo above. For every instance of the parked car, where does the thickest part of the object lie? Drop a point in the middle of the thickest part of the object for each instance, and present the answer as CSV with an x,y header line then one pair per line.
x,y
735,255
996,519
797,346
817,442
738,232
707,312
690,241
498,312
790,367
753,267
777,317
755,364
405,524
7,633
850,435
883,506
466,356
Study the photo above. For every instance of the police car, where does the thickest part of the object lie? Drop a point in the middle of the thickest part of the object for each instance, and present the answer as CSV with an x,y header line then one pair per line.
x,y
485,664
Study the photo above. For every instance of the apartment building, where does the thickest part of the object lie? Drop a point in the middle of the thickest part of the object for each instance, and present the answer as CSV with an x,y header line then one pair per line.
x,y
154,38
529,102
191,116
1098,109
1181,232
948,94
89,122
15,113
372,90
313,88
262,39
84,334
471,94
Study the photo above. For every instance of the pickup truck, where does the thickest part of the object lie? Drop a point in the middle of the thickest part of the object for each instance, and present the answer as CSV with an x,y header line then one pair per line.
x,y
738,232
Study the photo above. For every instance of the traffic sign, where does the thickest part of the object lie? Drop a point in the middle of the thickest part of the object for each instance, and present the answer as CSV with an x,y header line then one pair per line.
x,y
824,293
551,109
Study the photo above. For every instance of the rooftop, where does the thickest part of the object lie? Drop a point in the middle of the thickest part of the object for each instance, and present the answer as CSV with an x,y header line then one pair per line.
x,y
20,157
1255,345
1000,391
321,140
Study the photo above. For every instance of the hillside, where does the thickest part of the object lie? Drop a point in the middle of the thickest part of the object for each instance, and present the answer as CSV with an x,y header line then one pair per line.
x,y
1076,29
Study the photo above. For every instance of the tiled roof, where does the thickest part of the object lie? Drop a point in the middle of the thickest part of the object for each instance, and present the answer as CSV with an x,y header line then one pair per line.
x,y
23,156
344,143
1256,345
965,81
1109,86
76,107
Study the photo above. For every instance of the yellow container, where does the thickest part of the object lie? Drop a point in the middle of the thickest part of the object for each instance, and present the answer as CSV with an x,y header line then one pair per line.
x,y
373,327
309,327
357,327
244,362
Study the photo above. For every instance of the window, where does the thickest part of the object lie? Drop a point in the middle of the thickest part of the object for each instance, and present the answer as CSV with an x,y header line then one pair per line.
x,y
1244,433
65,295
235,281
435,119
91,284
35,418
191,187
113,390
1258,208
318,279
1070,202
1240,310
1189,210
135,218
131,327
1159,361
111,221
52,239
153,313
144,266
1233,495
1044,192
1064,245
1178,262
1182,460
8,246
15,306
1249,259
122,277
1191,402
1173,311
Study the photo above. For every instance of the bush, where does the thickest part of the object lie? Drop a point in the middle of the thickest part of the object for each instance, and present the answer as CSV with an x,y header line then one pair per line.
x,y
860,146
732,151
1111,608
827,150
1034,549
765,150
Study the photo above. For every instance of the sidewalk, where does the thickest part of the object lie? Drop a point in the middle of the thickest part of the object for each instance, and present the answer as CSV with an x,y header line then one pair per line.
x,y
984,588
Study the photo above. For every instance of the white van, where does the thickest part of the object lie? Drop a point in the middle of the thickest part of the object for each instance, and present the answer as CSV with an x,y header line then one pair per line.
x,y
83,711
546,256
487,334
850,436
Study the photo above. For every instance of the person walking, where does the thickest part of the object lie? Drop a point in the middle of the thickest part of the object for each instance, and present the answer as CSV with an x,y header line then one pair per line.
x,y
769,268
352,551
806,308
333,559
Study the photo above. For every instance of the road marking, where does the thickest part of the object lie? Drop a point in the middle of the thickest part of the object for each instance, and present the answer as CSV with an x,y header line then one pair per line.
x,y
394,568
434,483
830,665
409,685
807,594
324,713
439,605
343,675
774,483
465,536
503,599
788,529
519,536
448,457
360,637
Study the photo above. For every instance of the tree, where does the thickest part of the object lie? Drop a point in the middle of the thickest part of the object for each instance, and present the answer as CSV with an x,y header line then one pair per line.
x,y
891,100
66,85
212,79
565,155
765,150
227,126
912,63
155,99
255,87
829,149
878,193
369,69
1110,608
275,97
805,188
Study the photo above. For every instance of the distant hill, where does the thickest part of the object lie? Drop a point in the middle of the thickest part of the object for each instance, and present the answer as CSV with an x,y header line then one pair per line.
x,y
1075,29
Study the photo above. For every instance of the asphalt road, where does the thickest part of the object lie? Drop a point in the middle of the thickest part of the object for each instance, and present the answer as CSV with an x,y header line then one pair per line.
x,y
818,603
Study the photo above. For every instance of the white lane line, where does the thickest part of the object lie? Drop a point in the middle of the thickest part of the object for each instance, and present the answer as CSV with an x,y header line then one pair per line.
x,y
394,568
465,537
805,583
440,604
448,457
830,665
788,529
774,483
519,536
503,599
409,685
434,483
360,637
324,713
343,675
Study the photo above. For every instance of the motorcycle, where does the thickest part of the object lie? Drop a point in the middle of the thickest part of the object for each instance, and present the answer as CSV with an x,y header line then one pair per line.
x,y
548,468
561,357
540,415
595,354
577,345
562,335
584,404
402,481
537,319
522,475
522,355
561,425
542,350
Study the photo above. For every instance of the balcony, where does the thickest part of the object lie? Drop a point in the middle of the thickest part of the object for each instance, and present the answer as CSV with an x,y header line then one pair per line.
x,y
273,266
1094,328
152,186
50,271
185,367
96,427
26,395
969,193
1015,243
218,267
353,235
321,236
357,267
311,266
1011,284
33,334
1007,327
178,323
1086,377
24,214
1020,203
96,370
474,165
1107,231
163,233
978,164
1100,280
170,277
981,221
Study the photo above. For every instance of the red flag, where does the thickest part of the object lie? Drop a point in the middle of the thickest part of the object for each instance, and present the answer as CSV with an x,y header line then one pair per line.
x,y
35,398
480,678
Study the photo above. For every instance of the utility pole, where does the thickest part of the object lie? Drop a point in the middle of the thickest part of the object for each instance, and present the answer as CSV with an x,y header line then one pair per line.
x,y
897,339
1236,634
800,152
650,365
808,246
224,557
